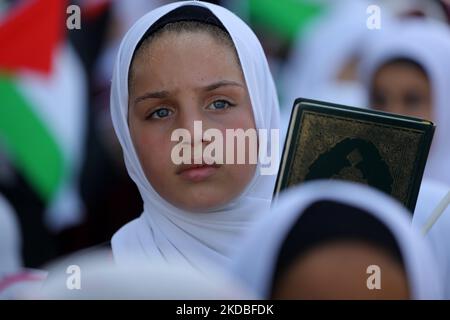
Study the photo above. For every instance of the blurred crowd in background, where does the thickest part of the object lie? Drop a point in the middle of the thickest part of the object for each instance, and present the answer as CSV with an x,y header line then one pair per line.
x,y
61,167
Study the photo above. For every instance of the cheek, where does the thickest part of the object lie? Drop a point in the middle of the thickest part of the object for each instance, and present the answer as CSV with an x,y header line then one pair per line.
x,y
246,119
248,142
421,110
426,110
153,149
241,175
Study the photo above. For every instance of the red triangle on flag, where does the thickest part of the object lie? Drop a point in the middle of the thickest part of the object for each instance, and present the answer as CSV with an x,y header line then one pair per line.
x,y
91,9
29,35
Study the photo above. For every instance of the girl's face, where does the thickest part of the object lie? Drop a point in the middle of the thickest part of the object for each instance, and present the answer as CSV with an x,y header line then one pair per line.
x,y
403,89
178,79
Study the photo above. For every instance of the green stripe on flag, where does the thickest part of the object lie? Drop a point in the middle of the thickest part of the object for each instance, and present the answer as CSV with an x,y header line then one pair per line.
x,y
286,17
30,143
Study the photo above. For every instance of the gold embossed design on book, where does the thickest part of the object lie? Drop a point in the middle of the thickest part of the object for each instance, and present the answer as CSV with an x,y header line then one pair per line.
x,y
358,150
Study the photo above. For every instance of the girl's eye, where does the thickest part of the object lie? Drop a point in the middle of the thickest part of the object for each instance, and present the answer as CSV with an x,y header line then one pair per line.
x,y
160,113
412,101
220,105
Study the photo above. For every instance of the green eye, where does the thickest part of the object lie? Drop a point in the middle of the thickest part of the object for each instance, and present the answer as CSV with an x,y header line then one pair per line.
x,y
160,113
220,105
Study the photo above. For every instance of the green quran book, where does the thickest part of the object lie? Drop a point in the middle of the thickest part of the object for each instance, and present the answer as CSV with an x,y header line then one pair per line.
x,y
331,141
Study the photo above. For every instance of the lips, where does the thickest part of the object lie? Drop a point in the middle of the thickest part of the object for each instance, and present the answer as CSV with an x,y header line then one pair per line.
x,y
197,172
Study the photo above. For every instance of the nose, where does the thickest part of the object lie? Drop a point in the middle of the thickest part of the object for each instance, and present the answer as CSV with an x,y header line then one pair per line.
x,y
191,120
192,117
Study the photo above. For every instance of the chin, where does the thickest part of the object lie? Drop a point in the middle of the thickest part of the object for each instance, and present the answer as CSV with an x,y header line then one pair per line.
x,y
203,205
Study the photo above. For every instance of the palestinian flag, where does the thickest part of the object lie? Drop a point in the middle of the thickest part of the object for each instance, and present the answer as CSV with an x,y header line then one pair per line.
x,y
42,105
284,19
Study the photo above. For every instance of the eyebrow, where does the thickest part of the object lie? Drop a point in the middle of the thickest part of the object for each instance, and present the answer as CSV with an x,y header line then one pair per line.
x,y
165,94
222,83
152,95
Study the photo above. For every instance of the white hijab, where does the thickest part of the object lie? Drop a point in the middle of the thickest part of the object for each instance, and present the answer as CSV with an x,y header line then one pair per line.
x,y
100,278
254,264
430,195
428,43
163,231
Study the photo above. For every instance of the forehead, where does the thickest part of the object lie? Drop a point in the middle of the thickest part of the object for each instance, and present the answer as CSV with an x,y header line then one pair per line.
x,y
399,75
402,68
185,56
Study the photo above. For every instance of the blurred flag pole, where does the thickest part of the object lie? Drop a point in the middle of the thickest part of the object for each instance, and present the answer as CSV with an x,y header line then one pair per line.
x,y
436,214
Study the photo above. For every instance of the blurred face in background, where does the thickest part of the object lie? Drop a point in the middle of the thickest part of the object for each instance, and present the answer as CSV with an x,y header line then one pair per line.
x,y
402,87
338,271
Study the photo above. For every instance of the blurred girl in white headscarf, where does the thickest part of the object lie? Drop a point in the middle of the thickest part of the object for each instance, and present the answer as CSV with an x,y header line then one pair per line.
x,y
406,71
323,61
337,240
184,62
